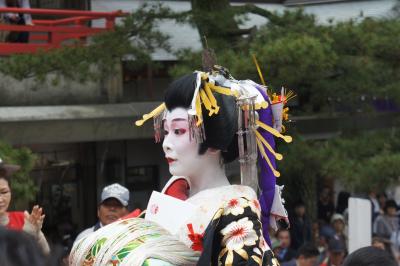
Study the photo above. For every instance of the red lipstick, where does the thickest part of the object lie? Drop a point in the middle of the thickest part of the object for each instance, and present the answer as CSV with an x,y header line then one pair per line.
x,y
170,160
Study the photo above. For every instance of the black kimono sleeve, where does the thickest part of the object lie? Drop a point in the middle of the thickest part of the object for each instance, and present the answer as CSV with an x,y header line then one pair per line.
x,y
234,236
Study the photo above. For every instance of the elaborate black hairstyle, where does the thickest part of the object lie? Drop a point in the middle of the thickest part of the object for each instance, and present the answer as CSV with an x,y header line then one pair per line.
x,y
220,130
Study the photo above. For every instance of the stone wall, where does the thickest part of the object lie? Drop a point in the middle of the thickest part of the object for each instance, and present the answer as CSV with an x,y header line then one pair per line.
x,y
29,92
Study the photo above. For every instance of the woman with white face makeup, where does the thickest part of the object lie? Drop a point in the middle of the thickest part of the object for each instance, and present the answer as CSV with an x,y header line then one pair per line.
x,y
228,219
182,154
225,228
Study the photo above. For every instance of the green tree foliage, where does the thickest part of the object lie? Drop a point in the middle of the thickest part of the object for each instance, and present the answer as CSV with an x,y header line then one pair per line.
x,y
363,162
23,187
300,168
220,22
350,62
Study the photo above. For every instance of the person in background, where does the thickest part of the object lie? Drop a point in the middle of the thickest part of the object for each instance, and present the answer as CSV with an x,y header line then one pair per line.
x,y
319,240
375,208
326,207
322,246
336,253
382,198
383,244
339,225
113,206
18,248
272,235
300,227
315,232
388,223
369,256
342,202
378,243
276,247
32,222
18,19
307,255
286,253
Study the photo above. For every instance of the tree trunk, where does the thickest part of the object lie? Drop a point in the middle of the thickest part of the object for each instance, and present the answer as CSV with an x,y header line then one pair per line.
x,y
215,20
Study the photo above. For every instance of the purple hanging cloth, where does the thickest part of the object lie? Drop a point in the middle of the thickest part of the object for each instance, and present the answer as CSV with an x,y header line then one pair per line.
x,y
267,177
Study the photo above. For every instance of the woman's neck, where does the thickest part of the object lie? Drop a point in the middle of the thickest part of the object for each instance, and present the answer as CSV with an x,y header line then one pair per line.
x,y
209,178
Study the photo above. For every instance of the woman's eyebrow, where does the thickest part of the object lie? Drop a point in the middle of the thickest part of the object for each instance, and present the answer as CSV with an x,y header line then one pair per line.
x,y
179,119
175,119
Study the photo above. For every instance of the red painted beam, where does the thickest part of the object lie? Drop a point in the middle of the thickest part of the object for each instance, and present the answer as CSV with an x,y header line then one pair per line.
x,y
63,12
54,33
40,38
64,21
22,48
55,29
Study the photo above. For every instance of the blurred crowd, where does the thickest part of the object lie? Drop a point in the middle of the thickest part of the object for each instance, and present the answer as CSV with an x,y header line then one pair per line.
x,y
326,238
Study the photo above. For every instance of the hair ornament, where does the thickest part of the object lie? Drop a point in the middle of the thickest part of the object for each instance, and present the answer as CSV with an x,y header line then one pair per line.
x,y
246,140
158,115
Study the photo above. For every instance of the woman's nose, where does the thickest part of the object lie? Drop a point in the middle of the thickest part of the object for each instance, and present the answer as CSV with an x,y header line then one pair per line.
x,y
166,143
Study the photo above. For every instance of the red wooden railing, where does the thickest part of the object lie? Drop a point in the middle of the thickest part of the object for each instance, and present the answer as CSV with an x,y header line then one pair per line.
x,y
48,34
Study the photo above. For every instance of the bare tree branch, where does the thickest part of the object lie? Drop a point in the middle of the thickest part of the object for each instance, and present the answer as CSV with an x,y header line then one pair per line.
x,y
251,8
238,32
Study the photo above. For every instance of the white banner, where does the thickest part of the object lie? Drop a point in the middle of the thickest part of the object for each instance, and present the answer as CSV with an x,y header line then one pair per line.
x,y
359,223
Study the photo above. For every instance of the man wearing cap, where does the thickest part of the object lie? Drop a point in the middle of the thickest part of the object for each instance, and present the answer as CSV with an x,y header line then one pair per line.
x,y
113,206
339,225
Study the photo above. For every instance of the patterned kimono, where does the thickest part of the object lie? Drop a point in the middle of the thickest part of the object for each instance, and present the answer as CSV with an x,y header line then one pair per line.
x,y
225,229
